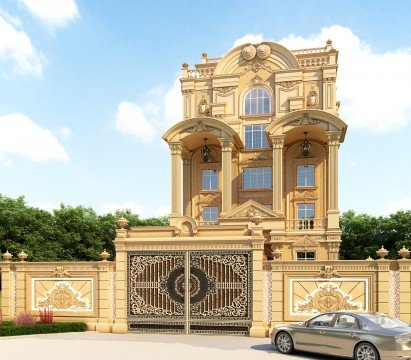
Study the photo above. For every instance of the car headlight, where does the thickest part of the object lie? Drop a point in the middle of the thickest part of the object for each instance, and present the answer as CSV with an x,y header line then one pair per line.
x,y
403,339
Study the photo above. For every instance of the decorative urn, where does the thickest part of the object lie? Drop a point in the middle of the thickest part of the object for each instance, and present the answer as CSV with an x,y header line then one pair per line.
x,y
22,256
105,255
7,256
122,222
404,253
382,253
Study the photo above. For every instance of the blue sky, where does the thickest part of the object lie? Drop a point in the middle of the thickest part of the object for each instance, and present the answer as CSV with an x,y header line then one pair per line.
x,y
88,87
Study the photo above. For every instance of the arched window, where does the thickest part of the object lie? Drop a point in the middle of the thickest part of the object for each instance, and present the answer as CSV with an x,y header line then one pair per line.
x,y
257,101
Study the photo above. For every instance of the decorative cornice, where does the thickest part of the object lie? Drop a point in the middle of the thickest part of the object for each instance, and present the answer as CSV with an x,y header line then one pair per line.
x,y
59,272
256,81
255,66
327,272
306,119
288,84
224,90
200,126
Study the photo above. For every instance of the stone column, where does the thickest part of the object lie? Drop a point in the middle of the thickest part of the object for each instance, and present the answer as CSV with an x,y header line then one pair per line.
x,y
332,186
103,321
405,290
258,327
176,188
383,285
6,275
277,172
226,154
120,321
187,185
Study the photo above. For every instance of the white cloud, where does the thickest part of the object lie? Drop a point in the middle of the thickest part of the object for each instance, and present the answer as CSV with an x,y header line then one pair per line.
x,y
65,132
16,47
143,211
372,86
147,121
53,13
173,104
20,136
402,204
249,39
131,120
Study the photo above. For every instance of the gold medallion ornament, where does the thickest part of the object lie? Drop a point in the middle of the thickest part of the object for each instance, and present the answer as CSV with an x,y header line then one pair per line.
x,y
328,298
63,297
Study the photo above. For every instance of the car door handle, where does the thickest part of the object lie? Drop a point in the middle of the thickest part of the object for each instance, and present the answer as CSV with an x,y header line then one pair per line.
x,y
322,332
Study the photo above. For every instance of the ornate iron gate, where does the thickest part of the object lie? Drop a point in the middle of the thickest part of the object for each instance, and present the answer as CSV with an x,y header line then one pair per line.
x,y
190,291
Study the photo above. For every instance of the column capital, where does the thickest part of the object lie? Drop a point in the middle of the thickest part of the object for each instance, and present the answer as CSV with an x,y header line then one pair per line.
x,y
333,137
226,144
277,141
186,159
176,148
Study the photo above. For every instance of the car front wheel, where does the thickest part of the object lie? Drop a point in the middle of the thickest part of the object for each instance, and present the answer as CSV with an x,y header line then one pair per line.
x,y
284,343
366,351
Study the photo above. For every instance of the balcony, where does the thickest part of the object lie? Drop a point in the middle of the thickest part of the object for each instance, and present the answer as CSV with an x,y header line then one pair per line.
x,y
305,224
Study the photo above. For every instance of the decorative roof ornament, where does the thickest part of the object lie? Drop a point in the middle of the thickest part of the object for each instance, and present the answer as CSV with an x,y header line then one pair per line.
x,y
263,51
249,52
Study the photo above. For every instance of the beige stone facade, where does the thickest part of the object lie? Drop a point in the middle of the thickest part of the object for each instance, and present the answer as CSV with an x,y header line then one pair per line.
x,y
280,98
254,231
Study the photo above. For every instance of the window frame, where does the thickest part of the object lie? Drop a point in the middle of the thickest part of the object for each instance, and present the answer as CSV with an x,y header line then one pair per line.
x,y
215,171
269,96
305,257
313,175
247,169
305,223
263,138
209,207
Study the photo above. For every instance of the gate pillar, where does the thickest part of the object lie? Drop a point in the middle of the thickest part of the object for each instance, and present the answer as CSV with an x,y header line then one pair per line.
x,y
258,328
120,321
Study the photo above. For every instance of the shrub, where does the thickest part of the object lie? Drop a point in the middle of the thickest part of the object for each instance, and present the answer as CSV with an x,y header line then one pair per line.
x,y
25,319
1,318
46,315
39,328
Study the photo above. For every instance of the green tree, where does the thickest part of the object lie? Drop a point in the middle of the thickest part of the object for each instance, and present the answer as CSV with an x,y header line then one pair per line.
x,y
363,235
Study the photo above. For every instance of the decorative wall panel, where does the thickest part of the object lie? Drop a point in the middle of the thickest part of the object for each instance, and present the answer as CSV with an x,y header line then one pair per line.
x,y
311,296
63,294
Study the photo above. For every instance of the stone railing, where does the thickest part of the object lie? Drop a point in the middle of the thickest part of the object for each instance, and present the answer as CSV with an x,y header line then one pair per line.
x,y
200,73
213,60
317,61
309,51
305,224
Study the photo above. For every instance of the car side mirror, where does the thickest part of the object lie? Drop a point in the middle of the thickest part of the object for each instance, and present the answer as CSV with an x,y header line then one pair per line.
x,y
307,324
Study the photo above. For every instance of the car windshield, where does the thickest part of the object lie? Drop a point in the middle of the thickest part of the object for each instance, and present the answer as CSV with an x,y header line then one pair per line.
x,y
385,321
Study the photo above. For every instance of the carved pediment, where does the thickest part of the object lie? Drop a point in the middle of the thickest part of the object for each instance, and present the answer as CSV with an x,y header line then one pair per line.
x,y
305,194
251,210
306,242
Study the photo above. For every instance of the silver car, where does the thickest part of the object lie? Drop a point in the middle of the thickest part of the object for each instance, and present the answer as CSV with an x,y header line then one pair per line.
x,y
362,336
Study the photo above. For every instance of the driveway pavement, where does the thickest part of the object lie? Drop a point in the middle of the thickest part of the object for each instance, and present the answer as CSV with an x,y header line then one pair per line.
x,y
95,346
